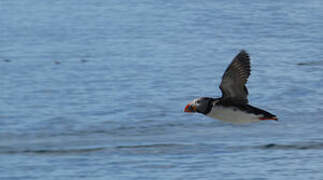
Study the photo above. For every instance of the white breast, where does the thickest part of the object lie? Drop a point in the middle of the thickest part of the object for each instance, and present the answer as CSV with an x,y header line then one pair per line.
x,y
232,115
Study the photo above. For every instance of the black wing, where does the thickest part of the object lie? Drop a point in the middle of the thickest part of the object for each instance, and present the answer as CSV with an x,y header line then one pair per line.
x,y
235,77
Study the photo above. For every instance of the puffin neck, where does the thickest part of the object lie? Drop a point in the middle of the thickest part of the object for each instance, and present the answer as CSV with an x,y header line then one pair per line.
x,y
209,107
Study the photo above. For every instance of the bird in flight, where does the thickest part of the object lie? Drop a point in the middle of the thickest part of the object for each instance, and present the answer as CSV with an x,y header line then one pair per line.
x,y
233,106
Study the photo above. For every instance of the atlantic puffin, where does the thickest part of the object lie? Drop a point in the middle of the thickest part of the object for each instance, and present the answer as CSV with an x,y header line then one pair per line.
x,y
233,106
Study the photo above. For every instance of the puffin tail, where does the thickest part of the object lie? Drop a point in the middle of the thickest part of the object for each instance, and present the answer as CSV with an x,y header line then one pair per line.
x,y
272,117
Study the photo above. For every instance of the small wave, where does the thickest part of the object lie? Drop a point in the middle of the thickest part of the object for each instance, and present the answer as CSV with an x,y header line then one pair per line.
x,y
52,151
310,63
148,146
300,146
7,60
145,147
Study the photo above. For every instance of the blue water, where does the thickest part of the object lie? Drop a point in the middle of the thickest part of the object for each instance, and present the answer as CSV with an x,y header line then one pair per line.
x,y
96,89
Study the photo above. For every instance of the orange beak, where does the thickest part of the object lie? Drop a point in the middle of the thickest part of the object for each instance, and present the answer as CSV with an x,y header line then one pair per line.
x,y
190,108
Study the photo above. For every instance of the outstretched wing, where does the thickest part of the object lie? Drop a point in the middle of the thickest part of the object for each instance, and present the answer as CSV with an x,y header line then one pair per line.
x,y
235,77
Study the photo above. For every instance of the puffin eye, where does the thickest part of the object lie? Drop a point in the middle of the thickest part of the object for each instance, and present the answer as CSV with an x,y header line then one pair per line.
x,y
198,102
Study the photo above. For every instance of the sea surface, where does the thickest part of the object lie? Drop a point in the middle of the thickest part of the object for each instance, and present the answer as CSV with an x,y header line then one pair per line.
x,y
95,90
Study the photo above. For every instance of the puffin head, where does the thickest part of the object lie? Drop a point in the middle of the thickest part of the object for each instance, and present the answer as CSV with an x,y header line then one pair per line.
x,y
200,105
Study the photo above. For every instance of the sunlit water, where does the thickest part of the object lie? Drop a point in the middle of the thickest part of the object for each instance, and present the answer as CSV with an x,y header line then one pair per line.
x,y
96,89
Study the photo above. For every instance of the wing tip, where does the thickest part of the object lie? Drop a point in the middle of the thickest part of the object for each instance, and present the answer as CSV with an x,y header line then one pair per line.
x,y
243,53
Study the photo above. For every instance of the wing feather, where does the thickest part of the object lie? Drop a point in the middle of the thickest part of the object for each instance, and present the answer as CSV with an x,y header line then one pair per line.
x,y
235,77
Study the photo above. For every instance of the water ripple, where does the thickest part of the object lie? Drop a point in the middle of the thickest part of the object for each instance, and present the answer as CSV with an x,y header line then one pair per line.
x,y
311,63
298,146
52,151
